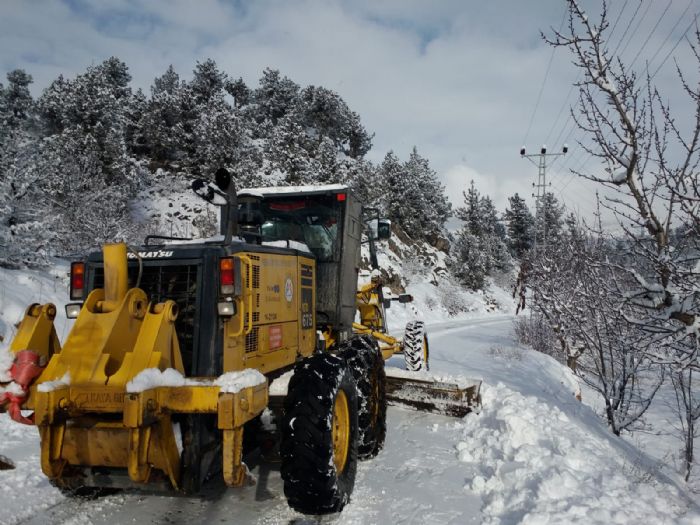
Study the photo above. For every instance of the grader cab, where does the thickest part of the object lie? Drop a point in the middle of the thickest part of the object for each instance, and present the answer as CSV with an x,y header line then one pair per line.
x,y
179,347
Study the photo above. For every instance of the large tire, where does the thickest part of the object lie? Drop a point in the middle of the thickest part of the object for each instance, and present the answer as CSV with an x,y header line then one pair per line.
x,y
367,366
319,436
415,347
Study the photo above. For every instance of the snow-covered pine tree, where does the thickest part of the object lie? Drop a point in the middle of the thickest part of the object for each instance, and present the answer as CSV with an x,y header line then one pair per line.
x,y
413,198
551,218
86,209
288,153
468,260
479,248
162,123
207,82
274,97
493,237
25,232
432,207
217,136
470,213
240,92
519,225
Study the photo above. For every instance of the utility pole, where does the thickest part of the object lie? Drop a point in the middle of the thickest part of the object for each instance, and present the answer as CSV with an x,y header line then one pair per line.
x,y
541,188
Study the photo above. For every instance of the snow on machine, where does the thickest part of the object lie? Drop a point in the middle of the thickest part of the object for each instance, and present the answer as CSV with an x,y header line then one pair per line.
x,y
182,353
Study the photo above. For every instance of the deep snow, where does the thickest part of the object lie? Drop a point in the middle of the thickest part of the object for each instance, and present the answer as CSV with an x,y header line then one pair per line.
x,y
534,455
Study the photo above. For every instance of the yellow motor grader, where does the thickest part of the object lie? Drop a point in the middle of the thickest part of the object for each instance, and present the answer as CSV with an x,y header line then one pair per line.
x,y
179,347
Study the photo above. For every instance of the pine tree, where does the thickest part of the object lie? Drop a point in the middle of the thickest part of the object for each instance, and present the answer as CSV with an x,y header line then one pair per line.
x,y
520,224
161,124
239,91
470,213
17,100
25,232
208,81
217,136
274,97
479,247
288,153
551,213
468,260
429,203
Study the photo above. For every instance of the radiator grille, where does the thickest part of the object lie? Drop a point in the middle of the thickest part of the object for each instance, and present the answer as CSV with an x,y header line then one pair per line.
x,y
175,282
256,276
251,341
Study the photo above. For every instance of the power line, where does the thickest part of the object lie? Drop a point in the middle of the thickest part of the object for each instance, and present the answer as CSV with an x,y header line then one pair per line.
x,y
573,85
561,110
629,24
650,34
634,32
619,15
675,46
680,18
544,82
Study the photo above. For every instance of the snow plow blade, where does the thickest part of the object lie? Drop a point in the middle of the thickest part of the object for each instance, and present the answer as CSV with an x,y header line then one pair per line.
x,y
422,391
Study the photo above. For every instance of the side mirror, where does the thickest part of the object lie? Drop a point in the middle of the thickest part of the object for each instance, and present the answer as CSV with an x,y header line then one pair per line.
x,y
387,303
383,229
222,178
405,298
209,192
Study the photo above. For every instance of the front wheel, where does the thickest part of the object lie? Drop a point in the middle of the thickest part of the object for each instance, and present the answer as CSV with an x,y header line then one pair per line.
x,y
367,366
415,347
319,436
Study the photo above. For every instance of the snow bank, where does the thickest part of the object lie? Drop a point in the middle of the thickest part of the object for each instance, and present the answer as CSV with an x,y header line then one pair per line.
x,y
279,386
532,463
19,289
234,382
154,378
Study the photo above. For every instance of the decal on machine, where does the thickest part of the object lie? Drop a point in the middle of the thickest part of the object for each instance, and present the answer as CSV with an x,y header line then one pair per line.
x,y
151,255
288,290
307,318
274,336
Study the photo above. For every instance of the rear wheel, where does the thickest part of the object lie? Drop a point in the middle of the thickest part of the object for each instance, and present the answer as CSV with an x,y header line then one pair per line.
x,y
319,436
415,347
367,366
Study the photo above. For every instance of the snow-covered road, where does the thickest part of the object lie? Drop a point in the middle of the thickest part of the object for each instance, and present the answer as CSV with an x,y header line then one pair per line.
x,y
534,455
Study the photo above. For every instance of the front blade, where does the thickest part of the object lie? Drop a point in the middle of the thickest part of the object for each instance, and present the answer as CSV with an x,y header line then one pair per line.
x,y
425,393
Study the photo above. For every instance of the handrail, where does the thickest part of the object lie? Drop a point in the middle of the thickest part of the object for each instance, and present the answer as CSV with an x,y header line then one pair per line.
x,y
246,314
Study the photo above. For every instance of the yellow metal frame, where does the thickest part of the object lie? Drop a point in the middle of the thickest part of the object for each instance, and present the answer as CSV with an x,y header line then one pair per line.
x,y
372,320
36,332
117,335
146,429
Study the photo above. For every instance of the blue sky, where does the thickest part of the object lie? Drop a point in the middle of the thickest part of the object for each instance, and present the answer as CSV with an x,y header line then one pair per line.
x,y
458,79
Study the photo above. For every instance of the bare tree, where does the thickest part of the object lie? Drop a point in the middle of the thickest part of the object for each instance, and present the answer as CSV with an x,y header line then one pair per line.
x,y
651,164
573,289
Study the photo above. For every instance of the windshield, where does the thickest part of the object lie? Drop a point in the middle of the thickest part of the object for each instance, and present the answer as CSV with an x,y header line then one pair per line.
x,y
313,220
